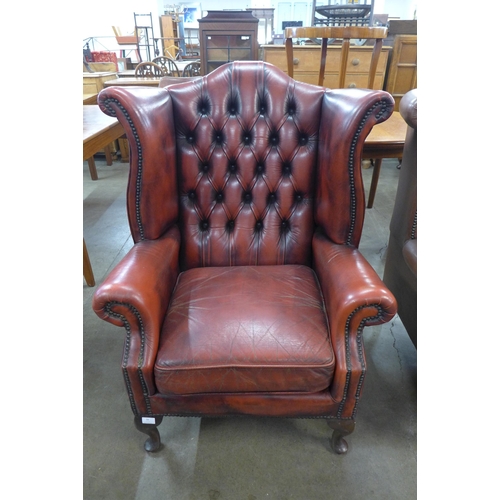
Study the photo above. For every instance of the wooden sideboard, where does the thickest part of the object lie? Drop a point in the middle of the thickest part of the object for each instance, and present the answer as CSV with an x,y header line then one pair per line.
x,y
307,59
402,71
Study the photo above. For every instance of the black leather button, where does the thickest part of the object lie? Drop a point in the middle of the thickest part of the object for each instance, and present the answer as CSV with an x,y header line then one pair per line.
x,y
258,225
274,139
230,225
219,197
191,195
247,197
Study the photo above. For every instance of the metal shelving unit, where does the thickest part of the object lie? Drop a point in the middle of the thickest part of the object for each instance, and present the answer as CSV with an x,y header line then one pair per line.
x,y
345,13
145,35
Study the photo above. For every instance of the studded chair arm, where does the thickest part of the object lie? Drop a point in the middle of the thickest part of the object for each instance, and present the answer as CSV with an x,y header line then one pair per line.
x,y
354,297
135,295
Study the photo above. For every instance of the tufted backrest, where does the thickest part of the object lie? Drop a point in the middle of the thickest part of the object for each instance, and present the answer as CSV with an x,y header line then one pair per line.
x,y
246,163
246,155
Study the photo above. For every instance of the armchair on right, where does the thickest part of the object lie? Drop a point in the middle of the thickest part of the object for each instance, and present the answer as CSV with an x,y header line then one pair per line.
x,y
400,273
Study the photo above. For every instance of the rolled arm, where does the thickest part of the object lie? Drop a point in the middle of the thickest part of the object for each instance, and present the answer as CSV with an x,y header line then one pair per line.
x,y
354,297
136,294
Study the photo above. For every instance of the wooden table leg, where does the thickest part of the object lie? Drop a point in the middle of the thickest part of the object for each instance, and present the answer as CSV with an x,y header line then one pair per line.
x,y
109,155
124,148
88,274
92,168
373,185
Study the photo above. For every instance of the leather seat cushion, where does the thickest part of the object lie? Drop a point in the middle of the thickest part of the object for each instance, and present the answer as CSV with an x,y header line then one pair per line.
x,y
245,329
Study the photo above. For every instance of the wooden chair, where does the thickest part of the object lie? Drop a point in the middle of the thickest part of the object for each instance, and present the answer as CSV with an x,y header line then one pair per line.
x,y
167,65
148,69
192,69
386,139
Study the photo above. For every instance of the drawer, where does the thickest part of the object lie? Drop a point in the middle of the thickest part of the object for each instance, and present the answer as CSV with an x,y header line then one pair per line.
x,y
308,61
353,80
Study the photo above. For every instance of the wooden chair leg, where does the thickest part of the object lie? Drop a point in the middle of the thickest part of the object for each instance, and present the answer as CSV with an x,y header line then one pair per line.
x,y
92,168
153,443
88,274
341,428
373,185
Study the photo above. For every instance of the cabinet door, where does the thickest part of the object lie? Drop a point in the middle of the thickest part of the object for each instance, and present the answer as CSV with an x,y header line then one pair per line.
x,y
221,49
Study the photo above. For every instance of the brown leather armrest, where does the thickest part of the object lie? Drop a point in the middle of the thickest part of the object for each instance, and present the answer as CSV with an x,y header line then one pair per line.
x,y
410,255
350,285
408,108
136,293
354,297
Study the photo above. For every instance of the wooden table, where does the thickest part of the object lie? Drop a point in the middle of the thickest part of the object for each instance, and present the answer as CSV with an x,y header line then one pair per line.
x,y
99,130
384,142
90,98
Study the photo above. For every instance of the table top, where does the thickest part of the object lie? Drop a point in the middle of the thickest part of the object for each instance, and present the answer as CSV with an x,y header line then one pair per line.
x,y
98,74
99,130
141,82
386,139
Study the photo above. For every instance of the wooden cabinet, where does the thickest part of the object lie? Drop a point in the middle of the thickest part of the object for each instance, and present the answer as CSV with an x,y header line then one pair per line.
x,y
307,62
227,36
402,72
93,83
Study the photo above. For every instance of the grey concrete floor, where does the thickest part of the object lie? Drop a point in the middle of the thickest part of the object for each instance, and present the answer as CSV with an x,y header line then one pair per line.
x,y
242,458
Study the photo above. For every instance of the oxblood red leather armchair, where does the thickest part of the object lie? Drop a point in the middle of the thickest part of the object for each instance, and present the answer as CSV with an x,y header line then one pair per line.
x,y
245,292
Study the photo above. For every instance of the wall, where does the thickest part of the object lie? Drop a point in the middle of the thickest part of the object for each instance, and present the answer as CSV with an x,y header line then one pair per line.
x,y
99,16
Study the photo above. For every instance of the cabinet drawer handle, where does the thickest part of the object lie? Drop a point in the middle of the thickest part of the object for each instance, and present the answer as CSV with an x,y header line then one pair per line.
x,y
295,61
352,86
355,62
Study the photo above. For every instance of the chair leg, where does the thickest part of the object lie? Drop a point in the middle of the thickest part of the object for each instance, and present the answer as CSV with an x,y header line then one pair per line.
x,y
153,442
373,186
341,428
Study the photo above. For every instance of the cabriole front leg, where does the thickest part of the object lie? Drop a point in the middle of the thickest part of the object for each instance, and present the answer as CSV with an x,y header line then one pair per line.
x,y
149,425
341,428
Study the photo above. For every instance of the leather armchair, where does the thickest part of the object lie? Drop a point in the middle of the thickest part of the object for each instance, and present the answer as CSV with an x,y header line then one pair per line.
x,y
245,292
400,273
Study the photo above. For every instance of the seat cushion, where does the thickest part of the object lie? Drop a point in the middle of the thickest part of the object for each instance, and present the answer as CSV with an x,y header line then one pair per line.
x,y
245,329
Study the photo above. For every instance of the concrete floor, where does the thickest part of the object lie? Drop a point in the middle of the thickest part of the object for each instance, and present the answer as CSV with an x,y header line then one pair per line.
x,y
242,458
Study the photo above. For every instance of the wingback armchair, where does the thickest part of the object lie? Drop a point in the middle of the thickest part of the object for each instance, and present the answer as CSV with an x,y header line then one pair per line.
x,y
400,273
245,292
